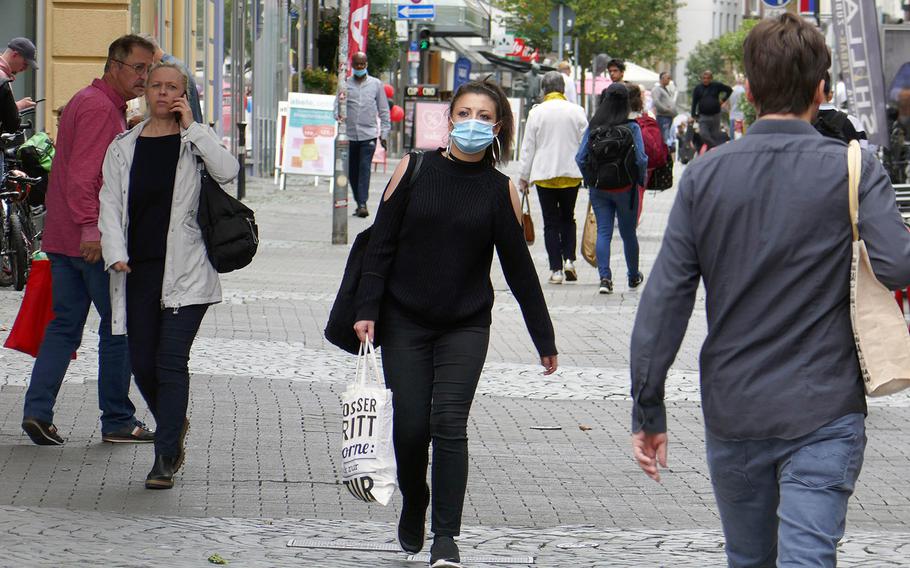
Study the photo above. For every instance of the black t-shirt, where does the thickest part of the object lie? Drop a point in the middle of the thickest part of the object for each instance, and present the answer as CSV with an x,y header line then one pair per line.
x,y
9,113
151,192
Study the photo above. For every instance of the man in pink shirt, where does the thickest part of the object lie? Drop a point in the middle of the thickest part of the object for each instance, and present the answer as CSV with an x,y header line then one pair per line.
x,y
90,121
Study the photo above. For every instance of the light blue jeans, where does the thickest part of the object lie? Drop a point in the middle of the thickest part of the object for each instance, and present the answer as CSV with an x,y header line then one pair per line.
x,y
784,502
619,206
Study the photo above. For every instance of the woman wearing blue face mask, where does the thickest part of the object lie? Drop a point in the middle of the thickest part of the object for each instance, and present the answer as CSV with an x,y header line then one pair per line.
x,y
426,285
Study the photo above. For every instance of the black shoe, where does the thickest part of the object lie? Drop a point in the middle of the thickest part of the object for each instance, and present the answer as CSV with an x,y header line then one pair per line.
x,y
444,553
42,433
636,280
182,455
412,524
162,474
606,286
135,434
362,211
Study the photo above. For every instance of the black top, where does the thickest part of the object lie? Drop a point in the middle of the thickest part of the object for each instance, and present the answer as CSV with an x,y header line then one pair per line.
x,y
764,223
431,250
706,100
9,113
151,192
836,124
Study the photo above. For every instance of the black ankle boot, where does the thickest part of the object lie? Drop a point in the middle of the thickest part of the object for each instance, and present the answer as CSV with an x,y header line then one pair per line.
x,y
162,474
412,523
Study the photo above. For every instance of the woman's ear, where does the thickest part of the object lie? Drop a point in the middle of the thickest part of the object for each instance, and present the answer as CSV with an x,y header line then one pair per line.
x,y
496,128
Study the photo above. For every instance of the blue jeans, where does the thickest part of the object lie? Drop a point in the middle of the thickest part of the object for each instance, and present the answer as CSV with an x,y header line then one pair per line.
x,y
620,205
360,162
784,502
77,285
666,123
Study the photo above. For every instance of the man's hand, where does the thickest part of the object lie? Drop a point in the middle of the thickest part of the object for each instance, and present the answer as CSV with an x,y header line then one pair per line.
x,y
121,267
523,185
650,450
365,330
384,143
90,251
549,363
25,104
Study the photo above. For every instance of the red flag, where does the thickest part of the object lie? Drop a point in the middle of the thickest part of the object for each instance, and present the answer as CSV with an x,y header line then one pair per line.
x,y
358,28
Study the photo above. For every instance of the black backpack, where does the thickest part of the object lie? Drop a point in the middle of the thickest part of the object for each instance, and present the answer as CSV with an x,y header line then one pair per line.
x,y
836,124
228,227
612,157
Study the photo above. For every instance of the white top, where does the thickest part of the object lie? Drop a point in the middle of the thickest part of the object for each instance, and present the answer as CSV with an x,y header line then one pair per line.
x,y
553,134
570,90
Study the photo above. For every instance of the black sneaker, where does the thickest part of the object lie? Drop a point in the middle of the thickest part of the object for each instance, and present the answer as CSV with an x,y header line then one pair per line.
x,y
635,281
162,474
444,553
606,286
412,524
362,211
42,433
135,434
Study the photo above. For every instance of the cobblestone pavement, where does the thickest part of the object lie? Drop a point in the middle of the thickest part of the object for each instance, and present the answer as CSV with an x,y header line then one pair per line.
x,y
551,477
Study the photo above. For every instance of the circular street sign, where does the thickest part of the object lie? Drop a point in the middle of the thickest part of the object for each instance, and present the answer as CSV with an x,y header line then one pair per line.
x,y
775,3
416,1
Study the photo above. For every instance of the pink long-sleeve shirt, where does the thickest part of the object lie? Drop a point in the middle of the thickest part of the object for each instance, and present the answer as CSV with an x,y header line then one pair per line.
x,y
91,120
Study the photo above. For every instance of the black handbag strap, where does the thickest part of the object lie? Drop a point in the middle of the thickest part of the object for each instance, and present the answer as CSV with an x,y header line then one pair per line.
x,y
410,175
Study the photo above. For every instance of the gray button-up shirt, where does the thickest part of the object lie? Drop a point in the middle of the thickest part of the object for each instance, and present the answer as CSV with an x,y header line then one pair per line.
x,y
366,103
764,222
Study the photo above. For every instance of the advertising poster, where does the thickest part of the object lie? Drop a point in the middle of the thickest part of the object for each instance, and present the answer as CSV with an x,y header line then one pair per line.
x,y
309,141
431,128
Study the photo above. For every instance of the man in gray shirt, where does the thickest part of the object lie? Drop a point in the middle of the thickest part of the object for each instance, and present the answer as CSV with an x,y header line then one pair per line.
x,y
664,107
764,223
367,106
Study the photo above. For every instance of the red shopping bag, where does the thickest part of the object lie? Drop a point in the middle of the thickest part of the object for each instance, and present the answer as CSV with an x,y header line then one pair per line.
x,y
35,312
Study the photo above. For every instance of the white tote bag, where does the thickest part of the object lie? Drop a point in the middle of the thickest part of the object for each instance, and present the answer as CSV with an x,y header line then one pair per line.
x,y
879,328
367,451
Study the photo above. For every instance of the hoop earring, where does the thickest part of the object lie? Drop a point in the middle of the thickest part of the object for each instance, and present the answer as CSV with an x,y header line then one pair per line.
x,y
497,150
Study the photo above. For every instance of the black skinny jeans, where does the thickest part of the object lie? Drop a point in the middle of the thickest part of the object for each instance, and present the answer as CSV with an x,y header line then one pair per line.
x,y
159,341
558,209
433,374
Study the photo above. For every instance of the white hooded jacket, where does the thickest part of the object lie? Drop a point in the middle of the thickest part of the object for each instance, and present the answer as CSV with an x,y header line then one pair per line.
x,y
189,278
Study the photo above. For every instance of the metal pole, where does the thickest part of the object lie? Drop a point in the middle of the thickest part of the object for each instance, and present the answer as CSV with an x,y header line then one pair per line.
x,y
312,14
562,27
241,175
302,19
340,187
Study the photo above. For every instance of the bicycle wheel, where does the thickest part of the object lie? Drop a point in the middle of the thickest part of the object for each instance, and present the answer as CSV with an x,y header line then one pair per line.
x,y
18,252
6,273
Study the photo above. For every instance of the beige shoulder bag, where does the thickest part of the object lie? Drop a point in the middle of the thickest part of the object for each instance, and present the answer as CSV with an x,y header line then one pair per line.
x,y
879,328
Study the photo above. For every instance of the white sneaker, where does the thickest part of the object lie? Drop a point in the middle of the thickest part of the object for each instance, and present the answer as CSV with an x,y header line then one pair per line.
x,y
556,277
569,269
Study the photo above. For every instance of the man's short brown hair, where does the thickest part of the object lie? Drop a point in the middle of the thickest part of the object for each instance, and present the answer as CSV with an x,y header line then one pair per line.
x,y
785,60
121,48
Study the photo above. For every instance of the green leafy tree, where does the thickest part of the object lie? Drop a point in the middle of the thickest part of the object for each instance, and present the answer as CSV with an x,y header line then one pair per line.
x,y
643,31
382,47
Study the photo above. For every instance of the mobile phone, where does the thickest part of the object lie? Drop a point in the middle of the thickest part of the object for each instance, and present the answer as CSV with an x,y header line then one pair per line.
x,y
38,101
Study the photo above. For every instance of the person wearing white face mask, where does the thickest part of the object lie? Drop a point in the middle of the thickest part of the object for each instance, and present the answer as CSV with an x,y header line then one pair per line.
x,y
426,290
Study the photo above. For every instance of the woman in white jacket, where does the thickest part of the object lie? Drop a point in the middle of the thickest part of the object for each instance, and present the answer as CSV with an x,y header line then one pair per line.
x,y
161,279
552,135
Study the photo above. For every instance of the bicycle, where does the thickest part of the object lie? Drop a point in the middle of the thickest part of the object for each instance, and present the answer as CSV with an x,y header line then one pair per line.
x,y
17,232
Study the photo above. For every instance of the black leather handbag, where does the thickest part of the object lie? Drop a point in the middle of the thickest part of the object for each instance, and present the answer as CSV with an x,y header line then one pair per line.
x,y
339,330
662,177
228,227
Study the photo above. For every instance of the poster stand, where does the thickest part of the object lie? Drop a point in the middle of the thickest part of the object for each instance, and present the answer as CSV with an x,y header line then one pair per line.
x,y
308,139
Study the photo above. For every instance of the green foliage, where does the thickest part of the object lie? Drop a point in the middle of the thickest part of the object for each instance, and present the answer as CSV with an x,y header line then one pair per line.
x,y
723,56
382,47
316,81
643,31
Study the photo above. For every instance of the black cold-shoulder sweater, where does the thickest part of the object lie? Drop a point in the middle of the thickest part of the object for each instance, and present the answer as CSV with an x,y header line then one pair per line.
x,y
431,250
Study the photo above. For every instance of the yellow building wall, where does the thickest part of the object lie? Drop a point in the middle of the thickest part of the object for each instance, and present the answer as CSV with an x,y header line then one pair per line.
x,y
78,33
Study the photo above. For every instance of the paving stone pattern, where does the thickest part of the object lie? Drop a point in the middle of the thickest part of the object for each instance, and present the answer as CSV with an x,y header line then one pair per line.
x,y
262,469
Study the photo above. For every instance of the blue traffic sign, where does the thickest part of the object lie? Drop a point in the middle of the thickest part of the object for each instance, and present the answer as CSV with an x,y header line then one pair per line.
x,y
776,3
413,46
416,11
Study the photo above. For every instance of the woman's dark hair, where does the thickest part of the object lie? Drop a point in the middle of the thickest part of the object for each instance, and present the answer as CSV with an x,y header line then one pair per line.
x,y
503,115
636,104
613,108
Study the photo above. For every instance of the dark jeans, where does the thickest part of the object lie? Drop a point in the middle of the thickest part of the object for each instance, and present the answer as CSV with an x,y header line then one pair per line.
x,y
558,209
608,205
433,374
160,341
360,161
784,502
709,129
77,285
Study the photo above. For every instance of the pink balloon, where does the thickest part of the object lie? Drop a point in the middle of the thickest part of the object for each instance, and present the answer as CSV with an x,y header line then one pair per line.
x,y
389,91
396,113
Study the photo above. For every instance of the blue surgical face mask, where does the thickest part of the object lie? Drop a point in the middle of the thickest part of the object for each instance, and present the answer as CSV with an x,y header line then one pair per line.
x,y
472,135
360,72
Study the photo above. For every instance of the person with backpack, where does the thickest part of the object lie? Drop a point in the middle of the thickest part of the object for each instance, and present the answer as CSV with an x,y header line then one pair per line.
x,y
161,279
652,136
835,123
613,163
